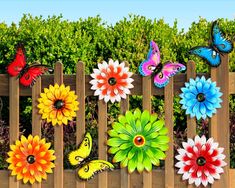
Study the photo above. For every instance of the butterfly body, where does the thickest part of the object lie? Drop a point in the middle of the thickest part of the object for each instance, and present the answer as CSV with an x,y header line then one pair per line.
x,y
219,46
80,158
26,73
161,72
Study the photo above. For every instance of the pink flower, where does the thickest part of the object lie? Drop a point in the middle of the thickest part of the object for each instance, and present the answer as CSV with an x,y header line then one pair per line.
x,y
200,161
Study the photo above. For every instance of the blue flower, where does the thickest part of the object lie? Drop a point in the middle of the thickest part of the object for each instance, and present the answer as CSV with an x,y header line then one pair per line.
x,y
200,98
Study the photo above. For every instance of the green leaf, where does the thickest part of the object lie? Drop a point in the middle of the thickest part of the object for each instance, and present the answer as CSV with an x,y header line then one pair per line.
x,y
113,150
159,154
163,131
125,136
132,152
132,164
130,129
147,163
140,156
115,142
149,152
122,119
163,147
140,167
138,126
113,133
124,163
162,139
120,128
137,114
147,127
119,156
145,117
155,161
153,118
126,145
152,135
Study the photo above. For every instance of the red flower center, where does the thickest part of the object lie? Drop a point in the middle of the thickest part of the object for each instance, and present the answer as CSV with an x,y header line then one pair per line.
x,y
112,81
31,159
201,161
58,104
139,140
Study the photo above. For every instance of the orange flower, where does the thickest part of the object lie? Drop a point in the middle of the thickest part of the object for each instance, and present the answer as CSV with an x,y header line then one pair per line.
x,y
30,159
112,81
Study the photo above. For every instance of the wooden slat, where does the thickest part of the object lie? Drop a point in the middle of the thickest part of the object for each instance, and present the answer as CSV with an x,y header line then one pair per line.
x,y
222,79
169,116
13,119
191,122
80,121
36,117
58,136
179,81
146,89
125,176
102,135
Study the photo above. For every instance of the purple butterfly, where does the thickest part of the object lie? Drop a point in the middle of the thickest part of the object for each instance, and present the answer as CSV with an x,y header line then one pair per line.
x,y
153,66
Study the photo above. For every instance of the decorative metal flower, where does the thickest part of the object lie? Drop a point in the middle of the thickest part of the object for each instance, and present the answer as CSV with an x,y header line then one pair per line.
x,y
200,98
58,104
112,81
138,140
30,159
200,161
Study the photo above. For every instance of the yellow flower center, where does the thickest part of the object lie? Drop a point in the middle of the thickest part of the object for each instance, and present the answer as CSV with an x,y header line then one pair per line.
x,y
58,104
31,159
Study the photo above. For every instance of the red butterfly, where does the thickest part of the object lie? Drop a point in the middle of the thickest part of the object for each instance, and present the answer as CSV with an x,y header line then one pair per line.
x,y
27,73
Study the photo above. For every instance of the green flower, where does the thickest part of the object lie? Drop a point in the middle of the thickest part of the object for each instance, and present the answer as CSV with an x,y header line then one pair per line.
x,y
138,140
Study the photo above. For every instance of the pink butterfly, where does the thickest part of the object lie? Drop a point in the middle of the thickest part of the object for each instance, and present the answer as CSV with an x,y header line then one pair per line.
x,y
153,66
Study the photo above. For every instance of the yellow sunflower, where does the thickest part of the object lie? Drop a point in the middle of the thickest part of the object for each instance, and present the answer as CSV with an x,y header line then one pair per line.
x,y
58,104
30,159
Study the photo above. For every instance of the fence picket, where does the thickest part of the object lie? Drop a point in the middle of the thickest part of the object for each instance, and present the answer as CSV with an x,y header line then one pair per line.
x,y
146,89
36,117
125,176
58,137
222,116
80,120
168,105
102,137
14,119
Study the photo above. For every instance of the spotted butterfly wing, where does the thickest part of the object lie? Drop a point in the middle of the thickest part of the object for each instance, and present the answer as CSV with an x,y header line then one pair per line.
x,y
148,66
211,54
88,170
83,151
19,62
169,69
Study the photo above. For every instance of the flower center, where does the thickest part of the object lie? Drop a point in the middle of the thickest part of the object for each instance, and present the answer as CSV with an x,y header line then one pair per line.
x,y
58,104
139,140
201,161
201,97
30,159
112,81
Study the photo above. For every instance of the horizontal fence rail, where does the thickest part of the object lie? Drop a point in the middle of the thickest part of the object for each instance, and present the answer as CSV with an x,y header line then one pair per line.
x,y
164,178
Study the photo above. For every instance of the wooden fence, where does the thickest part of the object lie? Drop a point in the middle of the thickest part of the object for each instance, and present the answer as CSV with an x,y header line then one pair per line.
x,y
219,128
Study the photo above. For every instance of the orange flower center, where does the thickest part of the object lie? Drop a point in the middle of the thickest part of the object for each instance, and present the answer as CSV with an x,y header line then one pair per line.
x,y
58,104
139,140
112,81
201,161
31,159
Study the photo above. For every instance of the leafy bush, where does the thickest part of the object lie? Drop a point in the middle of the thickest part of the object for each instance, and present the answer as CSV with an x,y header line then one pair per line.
x,y
91,40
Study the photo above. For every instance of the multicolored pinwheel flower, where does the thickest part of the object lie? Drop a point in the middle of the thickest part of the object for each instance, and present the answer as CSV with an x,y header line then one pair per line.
x,y
112,81
30,159
138,140
58,104
200,161
200,98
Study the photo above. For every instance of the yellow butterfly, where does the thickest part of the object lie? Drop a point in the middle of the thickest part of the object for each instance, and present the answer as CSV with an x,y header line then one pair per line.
x,y
86,170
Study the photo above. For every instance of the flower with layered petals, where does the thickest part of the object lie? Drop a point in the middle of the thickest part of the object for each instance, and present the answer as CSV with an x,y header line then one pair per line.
x,y
200,161
138,140
58,104
30,159
111,81
200,98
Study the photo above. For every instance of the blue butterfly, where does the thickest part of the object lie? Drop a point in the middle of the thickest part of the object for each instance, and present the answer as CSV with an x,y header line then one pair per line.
x,y
211,54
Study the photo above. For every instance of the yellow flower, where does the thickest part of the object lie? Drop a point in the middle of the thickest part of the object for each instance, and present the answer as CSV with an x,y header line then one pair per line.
x,y
58,104
30,159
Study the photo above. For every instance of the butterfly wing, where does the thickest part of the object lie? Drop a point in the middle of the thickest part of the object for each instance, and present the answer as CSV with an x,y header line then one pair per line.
x,y
169,69
83,151
219,41
32,73
147,67
88,170
19,62
208,54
